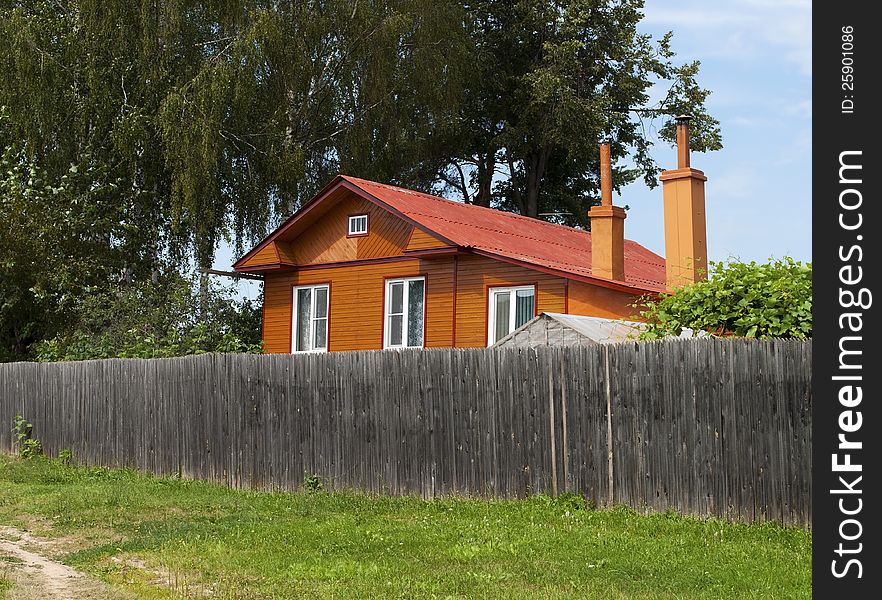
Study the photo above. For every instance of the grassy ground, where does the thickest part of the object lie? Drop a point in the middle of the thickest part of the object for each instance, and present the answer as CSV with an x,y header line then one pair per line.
x,y
167,538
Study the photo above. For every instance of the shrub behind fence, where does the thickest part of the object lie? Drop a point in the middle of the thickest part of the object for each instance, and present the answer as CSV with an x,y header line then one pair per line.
x,y
708,427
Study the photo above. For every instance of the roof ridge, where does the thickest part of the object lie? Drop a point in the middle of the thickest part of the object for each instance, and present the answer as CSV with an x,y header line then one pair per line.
x,y
645,262
560,247
497,211
528,237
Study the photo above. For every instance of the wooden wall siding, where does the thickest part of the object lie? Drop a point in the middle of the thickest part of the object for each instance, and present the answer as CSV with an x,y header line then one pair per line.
x,y
326,241
476,273
439,310
266,256
356,303
595,301
707,427
420,240
387,235
286,253
357,294
358,291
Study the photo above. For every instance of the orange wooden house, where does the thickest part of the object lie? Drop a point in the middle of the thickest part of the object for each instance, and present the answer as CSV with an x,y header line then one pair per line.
x,y
367,266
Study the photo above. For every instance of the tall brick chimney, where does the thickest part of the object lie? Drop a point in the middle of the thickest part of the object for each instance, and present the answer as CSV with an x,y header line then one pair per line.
x,y
607,227
685,225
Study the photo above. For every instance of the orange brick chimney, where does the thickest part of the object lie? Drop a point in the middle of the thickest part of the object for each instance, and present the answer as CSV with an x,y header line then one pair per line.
x,y
607,227
685,226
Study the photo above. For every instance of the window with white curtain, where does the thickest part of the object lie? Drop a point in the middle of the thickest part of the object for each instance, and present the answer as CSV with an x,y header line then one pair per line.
x,y
510,307
310,331
405,312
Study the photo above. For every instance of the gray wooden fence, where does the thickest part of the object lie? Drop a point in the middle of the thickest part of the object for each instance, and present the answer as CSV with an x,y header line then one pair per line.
x,y
707,427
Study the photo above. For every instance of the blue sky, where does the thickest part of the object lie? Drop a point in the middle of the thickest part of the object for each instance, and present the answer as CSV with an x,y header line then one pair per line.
x,y
756,58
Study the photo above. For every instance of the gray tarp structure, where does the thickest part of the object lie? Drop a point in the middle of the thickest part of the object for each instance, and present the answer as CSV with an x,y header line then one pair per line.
x,y
557,329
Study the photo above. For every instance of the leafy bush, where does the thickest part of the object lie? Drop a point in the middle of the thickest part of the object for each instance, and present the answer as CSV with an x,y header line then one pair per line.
x,y
28,447
65,457
54,244
754,300
312,483
165,317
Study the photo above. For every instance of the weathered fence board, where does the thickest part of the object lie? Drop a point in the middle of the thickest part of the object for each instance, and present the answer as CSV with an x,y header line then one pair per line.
x,y
706,427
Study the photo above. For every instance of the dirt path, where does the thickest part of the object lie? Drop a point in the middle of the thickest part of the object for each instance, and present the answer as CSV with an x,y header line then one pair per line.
x,y
35,576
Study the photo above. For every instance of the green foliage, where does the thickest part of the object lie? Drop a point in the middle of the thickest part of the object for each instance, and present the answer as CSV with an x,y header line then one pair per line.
x,y
312,483
552,80
168,317
135,137
31,448
65,457
567,502
54,246
767,300
214,118
28,447
217,117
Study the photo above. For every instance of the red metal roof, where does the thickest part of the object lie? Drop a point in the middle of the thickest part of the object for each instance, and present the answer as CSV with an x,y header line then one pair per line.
x,y
504,235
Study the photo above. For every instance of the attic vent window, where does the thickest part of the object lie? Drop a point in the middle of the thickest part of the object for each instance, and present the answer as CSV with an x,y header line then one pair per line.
x,y
358,225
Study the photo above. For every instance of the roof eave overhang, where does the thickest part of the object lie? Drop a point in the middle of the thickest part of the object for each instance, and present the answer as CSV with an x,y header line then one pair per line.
x,y
257,269
429,253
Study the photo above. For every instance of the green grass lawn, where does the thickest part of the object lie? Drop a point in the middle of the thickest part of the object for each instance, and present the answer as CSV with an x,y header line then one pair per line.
x,y
168,538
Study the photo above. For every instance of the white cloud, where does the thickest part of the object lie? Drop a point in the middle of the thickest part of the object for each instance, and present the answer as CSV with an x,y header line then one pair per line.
x,y
801,109
739,28
753,121
735,183
794,151
656,15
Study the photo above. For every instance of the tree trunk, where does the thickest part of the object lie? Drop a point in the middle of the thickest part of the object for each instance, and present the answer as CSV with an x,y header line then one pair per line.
x,y
535,171
486,168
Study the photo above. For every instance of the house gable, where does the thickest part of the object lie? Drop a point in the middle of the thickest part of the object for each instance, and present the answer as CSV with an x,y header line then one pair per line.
x,y
324,238
327,240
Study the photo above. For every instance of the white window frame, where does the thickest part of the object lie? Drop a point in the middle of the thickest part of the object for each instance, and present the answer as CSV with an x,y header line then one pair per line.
x,y
312,317
387,307
512,317
356,219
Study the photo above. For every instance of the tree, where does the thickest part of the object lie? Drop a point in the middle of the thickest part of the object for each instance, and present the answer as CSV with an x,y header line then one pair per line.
x,y
219,117
156,130
552,80
756,300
